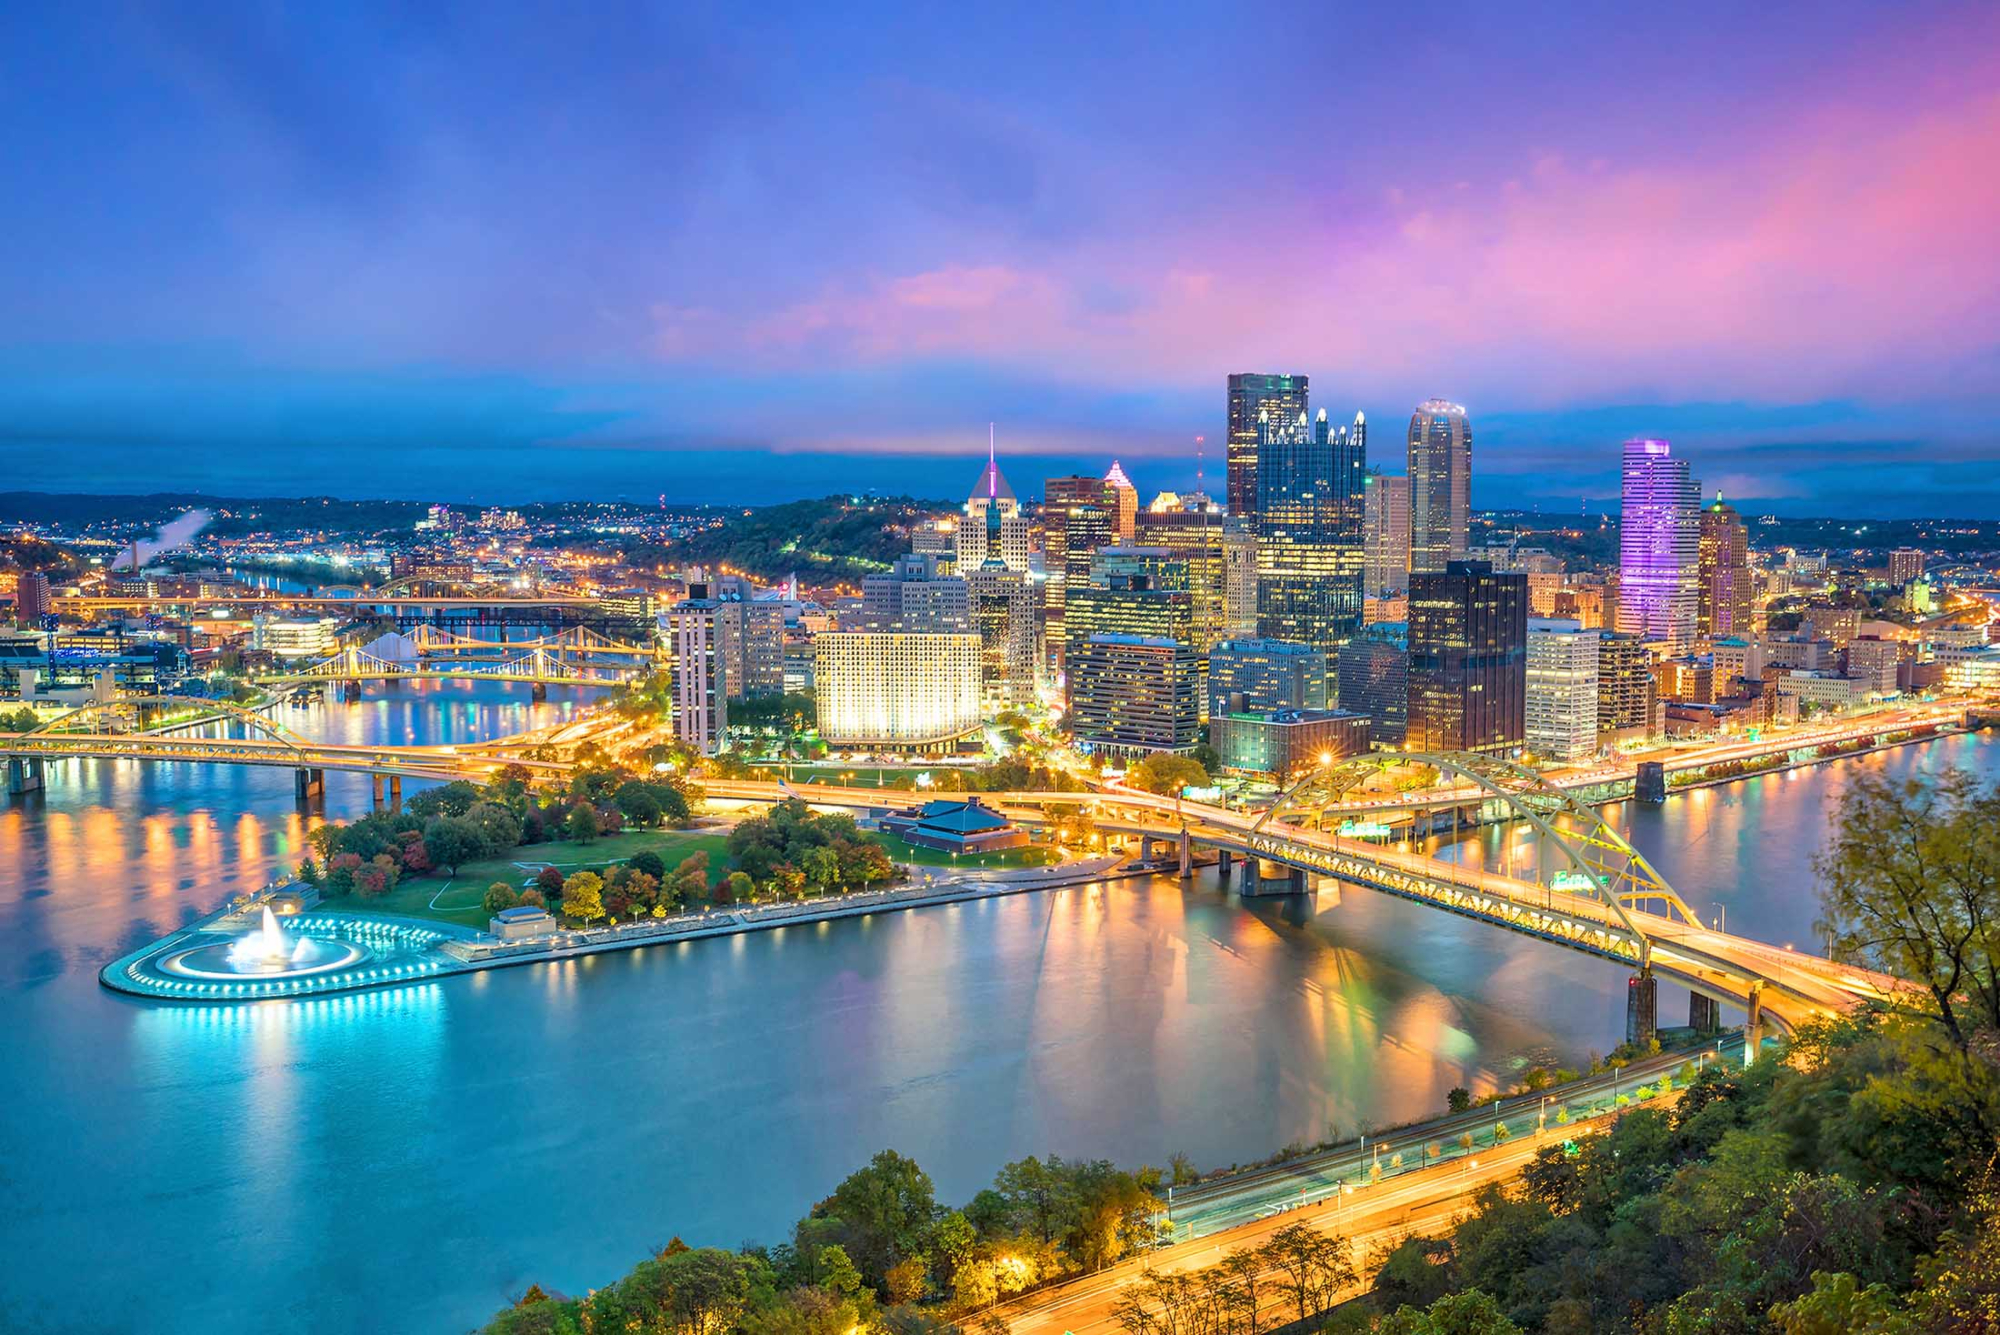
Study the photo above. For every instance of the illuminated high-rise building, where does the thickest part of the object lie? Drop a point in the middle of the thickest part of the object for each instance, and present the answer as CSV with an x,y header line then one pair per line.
x,y
1440,484
1197,539
1905,564
1134,693
1386,535
1283,397
1003,614
1659,547
1561,689
1125,500
993,527
700,672
1309,520
912,595
1627,699
1723,595
1468,659
1079,515
909,691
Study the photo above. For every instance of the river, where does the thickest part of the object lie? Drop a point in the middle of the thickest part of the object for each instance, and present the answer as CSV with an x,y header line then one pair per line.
x,y
407,1159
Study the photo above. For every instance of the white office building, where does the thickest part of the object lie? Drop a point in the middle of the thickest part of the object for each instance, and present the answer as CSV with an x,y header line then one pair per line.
x,y
1562,689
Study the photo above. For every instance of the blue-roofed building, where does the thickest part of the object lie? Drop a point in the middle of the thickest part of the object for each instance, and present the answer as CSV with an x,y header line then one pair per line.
x,y
955,825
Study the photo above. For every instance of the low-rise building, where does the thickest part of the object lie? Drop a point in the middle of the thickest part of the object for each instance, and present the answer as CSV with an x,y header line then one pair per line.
x,y
1282,743
955,826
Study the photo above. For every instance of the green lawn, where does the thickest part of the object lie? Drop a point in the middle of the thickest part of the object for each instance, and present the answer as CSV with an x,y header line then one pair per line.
x,y
902,853
458,898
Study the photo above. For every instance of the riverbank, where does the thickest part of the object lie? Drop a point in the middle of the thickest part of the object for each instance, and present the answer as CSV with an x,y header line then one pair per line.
x,y
446,951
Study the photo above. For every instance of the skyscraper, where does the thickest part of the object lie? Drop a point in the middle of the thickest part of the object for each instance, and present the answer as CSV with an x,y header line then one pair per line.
x,y
700,673
1196,539
1386,535
1284,398
1125,499
1468,659
1723,602
1440,484
1079,515
994,527
1659,547
1309,515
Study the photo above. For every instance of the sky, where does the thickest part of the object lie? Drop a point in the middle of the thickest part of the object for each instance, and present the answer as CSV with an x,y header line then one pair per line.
x,y
739,253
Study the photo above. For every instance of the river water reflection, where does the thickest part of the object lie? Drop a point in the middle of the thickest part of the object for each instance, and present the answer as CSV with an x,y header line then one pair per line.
x,y
406,1159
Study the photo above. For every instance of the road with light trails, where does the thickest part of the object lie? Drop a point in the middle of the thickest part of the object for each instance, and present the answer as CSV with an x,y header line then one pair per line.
x,y
1224,1202
1371,1218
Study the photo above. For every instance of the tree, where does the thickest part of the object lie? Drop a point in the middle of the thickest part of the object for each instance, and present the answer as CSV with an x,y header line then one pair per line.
x,y
581,825
885,1213
451,799
1167,774
1910,885
1470,1313
550,880
1459,1099
499,896
499,828
736,888
583,896
651,863
639,803
1312,1267
453,841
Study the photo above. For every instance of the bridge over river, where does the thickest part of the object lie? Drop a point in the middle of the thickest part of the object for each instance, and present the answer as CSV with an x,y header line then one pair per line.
x,y
1599,896
1603,898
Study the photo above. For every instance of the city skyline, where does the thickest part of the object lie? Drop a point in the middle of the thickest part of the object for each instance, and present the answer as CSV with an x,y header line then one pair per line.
x,y
318,240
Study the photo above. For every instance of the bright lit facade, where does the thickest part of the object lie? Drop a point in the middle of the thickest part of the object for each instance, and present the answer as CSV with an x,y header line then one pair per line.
x,y
896,689
1386,534
1283,397
314,638
1309,519
1440,484
1723,605
1659,547
1562,690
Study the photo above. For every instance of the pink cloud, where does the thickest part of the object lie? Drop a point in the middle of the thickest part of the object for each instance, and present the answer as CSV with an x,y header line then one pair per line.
x,y
1832,255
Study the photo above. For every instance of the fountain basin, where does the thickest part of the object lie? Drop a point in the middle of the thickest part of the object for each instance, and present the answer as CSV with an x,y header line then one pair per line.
x,y
308,955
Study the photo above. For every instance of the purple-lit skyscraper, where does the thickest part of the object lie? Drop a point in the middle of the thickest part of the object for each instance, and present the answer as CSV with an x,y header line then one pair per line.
x,y
1659,547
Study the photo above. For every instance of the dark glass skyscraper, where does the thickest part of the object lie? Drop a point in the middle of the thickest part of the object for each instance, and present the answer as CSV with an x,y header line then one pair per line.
x,y
1310,503
1468,660
1284,397
1440,484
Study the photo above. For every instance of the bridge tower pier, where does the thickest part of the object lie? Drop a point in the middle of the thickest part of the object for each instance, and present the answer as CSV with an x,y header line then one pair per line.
x,y
539,692
1651,783
350,691
1145,848
1187,856
393,784
1225,863
1704,1016
1642,1006
1753,1024
24,775
309,787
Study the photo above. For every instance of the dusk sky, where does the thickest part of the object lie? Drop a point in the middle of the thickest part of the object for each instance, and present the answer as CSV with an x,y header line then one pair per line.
x,y
752,252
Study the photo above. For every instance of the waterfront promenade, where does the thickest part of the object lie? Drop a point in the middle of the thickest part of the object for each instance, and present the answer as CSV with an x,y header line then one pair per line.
x,y
459,950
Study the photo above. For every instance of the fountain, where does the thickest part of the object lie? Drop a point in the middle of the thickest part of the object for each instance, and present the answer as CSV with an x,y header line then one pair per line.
x,y
269,950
